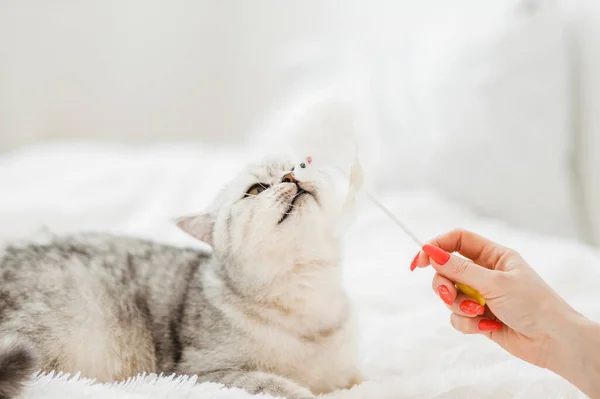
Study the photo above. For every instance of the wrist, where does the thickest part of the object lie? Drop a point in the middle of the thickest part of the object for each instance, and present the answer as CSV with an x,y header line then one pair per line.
x,y
574,353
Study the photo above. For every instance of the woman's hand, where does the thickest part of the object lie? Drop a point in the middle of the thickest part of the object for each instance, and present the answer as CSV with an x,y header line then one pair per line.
x,y
523,315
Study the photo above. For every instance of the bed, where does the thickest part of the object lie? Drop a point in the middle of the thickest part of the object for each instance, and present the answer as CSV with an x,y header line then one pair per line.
x,y
407,347
482,115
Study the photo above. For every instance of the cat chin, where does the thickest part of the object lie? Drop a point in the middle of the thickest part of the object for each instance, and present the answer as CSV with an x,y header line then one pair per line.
x,y
299,209
301,235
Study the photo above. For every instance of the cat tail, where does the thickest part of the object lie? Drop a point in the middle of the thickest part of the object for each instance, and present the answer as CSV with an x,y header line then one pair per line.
x,y
18,361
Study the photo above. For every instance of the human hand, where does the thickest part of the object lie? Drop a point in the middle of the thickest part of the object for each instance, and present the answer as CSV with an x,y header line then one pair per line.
x,y
524,315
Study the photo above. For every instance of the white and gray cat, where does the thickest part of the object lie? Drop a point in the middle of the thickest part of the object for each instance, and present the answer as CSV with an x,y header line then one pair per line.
x,y
265,311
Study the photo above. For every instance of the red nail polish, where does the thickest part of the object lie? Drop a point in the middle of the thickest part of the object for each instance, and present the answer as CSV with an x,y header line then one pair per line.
x,y
437,254
444,293
413,264
489,325
471,307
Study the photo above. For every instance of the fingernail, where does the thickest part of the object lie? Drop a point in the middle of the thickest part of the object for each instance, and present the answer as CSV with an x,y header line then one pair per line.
x,y
413,264
471,307
437,254
445,294
489,325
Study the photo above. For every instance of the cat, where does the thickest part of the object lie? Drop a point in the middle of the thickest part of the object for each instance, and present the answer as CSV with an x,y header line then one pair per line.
x,y
264,311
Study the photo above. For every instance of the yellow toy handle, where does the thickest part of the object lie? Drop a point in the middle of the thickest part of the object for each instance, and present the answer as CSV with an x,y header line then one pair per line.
x,y
471,292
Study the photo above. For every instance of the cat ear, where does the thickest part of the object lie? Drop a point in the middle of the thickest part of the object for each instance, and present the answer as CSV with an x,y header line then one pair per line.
x,y
198,226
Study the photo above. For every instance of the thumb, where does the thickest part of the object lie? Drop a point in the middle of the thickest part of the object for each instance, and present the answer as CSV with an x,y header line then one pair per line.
x,y
457,269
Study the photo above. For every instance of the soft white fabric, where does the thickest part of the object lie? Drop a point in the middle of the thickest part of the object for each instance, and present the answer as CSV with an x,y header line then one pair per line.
x,y
408,348
583,18
441,81
492,105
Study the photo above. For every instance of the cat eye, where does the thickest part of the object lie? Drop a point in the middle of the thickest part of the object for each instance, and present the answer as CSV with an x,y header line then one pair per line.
x,y
257,189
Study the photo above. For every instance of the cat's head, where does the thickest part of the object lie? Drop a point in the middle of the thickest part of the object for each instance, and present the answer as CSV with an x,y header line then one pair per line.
x,y
276,210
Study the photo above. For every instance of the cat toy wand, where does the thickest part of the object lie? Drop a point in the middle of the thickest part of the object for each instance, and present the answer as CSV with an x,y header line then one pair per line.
x,y
465,289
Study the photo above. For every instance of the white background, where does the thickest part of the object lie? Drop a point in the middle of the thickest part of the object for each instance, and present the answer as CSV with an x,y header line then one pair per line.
x,y
492,104
476,114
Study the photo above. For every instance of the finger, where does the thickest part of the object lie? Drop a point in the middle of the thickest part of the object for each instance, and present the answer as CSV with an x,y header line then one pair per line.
x,y
458,303
488,314
444,288
421,259
458,269
466,306
473,246
475,325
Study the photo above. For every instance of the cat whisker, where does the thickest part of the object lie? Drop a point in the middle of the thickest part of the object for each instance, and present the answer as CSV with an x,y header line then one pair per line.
x,y
282,202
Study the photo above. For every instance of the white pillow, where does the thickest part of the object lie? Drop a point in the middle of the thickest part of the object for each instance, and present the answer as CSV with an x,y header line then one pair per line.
x,y
492,96
584,21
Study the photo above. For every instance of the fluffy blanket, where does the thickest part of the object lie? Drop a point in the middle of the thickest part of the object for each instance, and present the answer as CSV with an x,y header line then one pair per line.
x,y
408,348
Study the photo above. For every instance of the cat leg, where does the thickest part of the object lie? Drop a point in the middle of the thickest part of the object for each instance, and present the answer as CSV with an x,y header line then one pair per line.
x,y
256,382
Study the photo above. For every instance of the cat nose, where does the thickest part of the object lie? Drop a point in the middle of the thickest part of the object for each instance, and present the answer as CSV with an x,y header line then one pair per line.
x,y
289,178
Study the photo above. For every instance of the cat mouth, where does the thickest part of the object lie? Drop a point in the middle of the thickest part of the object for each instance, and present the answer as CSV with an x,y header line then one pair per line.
x,y
301,193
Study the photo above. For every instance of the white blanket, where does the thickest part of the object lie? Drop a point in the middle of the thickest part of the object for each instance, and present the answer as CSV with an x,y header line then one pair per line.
x,y
408,348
